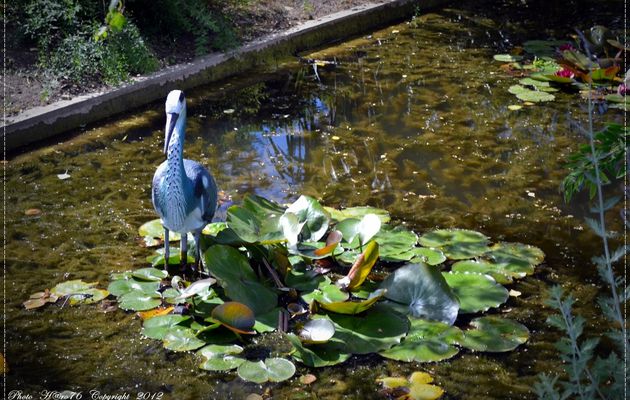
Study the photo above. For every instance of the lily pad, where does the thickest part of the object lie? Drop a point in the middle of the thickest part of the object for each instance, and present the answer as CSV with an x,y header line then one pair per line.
x,y
427,341
138,301
240,283
253,228
304,279
427,256
179,338
40,299
358,212
376,330
196,288
149,274
424,290
352,307
395,243
494,334
542,48
457,244
220,357
496,271
507,58
534,96
318,355
214,228
417,387
315,217
262,207
538,85
326,292
476,292
123,286
153,230
273,369
519,259
89,296
72,287
158,327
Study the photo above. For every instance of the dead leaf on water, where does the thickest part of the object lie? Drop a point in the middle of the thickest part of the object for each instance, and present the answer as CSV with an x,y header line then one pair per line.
x,y
308,379
32,212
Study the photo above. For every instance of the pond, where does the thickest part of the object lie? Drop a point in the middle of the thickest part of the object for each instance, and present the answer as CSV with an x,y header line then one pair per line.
x,y
412,118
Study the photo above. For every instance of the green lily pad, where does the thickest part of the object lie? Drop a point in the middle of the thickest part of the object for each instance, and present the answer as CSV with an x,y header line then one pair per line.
x,y
317,331
262,207
538,85
507,58
75,286
267,322
273,369
457,244
174,257
496,271
251,228
89,296
424,290
179,338
352,307
124,286
349,229
376,330
358,212
138,301
240,283
214,228
149,274
542,48
313,215
364,229
427,256
476,292
304,279
396,243
326,292
153,230
615,98
318,355
494,334
534,96
519,258
157,327
220,357
553,78
427,341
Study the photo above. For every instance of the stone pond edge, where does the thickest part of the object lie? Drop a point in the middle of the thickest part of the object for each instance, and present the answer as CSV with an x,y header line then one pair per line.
x,y
40,123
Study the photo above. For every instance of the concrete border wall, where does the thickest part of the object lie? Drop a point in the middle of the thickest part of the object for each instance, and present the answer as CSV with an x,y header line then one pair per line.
x,y
45,122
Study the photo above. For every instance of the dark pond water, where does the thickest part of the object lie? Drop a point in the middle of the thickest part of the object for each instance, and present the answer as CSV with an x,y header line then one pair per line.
x,y
414,119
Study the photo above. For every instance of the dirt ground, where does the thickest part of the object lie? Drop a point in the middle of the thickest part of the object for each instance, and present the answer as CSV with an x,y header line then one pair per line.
x,y
28,87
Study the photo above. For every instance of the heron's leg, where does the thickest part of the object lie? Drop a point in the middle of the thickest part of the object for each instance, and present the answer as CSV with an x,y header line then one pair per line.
x,y
198,263
167,249
183,255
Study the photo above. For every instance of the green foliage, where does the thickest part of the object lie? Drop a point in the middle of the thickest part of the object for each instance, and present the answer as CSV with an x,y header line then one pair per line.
x,y
610,150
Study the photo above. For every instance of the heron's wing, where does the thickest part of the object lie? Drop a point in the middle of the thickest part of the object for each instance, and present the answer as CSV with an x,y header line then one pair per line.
x,y
158,177
204,188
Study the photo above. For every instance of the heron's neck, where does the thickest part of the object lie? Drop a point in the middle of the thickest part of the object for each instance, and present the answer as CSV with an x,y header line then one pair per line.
x,y
175,152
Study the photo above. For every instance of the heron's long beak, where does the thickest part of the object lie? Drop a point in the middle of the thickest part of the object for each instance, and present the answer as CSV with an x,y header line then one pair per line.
x,y
171,120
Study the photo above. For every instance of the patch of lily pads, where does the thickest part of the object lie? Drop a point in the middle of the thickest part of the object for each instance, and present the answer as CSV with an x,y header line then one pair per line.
x,y
590,66
336,283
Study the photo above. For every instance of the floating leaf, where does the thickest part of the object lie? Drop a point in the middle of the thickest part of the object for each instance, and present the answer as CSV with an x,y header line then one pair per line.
x,y
542,48
476,292
494,334
75,286
528,95
318,355
179,338
240,283
304,279
376,330
425,292
333,239
158,312
235,316
326,292
538,85
153,230
150,274
262,207
253,228
368,227
352,307
157,327
214,228
514,107
417,387
307,379
315,217
457,244
220,357
317,331
519,259
273,369
291,228
40,299
267,322
427,256
349,229
427,341
496,271
89,296
507,58
395,244
137,301
124,286
358,212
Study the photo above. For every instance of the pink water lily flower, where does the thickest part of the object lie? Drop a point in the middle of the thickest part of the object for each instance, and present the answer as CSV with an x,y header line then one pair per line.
x,y
565,73
566,47
622,89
